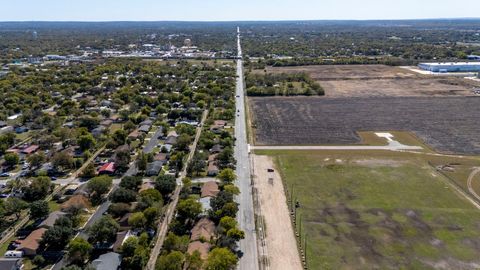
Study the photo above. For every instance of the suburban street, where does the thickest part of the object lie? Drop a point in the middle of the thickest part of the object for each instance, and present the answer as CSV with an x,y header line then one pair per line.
x,y
153,142
246,219
163,224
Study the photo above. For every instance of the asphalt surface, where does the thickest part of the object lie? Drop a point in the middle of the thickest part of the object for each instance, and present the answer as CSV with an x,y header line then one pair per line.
x,y
245,217
153,141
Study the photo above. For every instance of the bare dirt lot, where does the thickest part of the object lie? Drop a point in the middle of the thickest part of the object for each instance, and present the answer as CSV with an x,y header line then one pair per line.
x,y
380,80
398,87
342,72
448,124
281,244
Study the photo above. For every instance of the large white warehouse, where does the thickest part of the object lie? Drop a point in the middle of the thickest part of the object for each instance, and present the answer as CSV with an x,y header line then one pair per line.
x,y
451,67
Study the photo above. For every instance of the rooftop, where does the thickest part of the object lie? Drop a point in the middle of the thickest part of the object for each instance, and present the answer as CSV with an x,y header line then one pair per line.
x,y
452,64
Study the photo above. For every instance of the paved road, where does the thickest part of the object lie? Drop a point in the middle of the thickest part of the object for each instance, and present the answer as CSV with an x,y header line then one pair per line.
x,y
392,146
246,219
153,141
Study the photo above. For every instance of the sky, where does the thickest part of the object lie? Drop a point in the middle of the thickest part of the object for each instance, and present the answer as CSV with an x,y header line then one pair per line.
x,y
229,10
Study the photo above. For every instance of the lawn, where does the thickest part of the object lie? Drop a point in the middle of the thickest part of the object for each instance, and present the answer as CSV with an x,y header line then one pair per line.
x,y
380,210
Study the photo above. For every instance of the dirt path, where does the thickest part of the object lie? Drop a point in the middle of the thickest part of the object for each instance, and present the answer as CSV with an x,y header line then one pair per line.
x,y
469,183
281,243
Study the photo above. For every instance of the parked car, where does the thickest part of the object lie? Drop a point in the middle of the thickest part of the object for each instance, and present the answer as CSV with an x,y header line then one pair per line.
x,y
5,174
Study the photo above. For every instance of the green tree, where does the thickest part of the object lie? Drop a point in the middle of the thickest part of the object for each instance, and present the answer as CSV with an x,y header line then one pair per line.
x,y
36,160
174,242
189,209
183,141
62,161
119,137
165,184
89,171
236,234
123,195
14,206
119,209
137,220
172,261
39,210
104,230
131,182
38,189
122,159
227,223
227,176
221,259
79,250
150,198
58,236
234,190
86,142
99,186
151,214
11,159
142,162
194,261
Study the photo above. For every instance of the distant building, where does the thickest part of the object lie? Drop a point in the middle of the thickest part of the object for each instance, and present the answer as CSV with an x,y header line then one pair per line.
x,y
451,67
473,57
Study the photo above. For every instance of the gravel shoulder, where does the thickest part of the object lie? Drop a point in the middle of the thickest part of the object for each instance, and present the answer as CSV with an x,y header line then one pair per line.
x,y
281,243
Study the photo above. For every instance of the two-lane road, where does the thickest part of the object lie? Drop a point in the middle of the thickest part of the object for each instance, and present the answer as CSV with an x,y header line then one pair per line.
x,y
246,218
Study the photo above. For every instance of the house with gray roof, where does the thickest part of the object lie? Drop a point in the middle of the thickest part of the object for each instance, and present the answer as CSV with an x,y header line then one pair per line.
x,y
108,261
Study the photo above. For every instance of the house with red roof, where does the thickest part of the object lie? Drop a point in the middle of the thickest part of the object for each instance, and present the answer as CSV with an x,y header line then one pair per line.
x,y
107,168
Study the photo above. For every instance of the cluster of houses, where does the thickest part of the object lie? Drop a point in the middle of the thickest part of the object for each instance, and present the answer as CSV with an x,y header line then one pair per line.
x,y
212,167
204,230
6,128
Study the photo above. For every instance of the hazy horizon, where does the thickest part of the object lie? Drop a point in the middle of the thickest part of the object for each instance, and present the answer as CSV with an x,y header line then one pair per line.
x,y
230,11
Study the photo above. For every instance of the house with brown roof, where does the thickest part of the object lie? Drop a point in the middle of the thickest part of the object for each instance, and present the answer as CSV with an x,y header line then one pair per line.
x,y
30,245
212,169
203,248
212,158
204,230
146,185
209,189
134,135
78,202
161,157
218,126
106,122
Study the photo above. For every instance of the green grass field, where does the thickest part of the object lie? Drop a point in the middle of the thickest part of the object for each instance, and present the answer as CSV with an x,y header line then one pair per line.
x,y
380,210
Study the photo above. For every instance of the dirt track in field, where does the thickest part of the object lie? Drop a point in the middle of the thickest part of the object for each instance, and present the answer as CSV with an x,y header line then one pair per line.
x,y
281,243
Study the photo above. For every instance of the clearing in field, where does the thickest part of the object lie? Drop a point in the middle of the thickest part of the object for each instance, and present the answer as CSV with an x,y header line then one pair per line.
x,y
381,210
379,81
